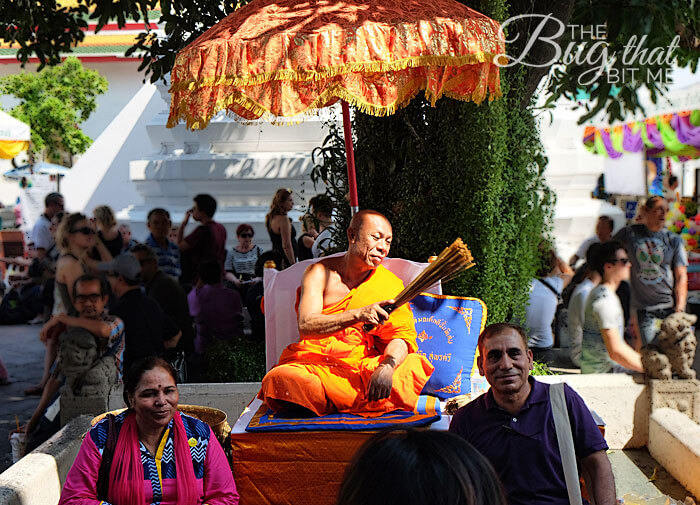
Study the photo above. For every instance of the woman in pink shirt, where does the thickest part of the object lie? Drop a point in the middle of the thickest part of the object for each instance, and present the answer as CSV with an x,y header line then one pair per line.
x,y
175,458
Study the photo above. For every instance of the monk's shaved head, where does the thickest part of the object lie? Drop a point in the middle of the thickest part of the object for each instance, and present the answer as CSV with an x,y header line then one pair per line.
x,y
363,217
369,237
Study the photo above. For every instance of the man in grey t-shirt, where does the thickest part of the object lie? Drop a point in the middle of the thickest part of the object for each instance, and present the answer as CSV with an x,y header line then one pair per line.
x,y
659,277
603,346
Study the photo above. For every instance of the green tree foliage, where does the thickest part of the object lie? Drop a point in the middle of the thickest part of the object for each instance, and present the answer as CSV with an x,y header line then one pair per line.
x,y
54,102
237,360
633,31
44,30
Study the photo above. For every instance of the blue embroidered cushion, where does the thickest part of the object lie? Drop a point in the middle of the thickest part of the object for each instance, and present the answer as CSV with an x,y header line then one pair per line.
x,y
448,329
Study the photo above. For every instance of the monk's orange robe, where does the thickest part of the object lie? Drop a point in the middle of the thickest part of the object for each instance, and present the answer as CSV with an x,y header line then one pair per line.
x,y
331,373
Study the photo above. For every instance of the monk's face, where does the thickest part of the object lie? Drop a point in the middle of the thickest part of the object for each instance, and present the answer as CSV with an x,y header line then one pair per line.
x,y
371,240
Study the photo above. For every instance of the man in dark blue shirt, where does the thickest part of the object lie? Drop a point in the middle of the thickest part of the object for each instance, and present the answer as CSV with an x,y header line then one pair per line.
x,y
512,425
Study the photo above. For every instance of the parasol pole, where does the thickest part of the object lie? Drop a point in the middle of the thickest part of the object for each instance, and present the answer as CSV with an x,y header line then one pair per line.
x,y
350,155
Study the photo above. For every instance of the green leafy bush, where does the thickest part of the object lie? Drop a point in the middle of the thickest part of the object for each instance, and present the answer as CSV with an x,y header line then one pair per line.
x,y
237,360
541,369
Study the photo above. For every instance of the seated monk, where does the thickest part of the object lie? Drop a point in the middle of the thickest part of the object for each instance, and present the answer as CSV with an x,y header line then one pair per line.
x,y
336,366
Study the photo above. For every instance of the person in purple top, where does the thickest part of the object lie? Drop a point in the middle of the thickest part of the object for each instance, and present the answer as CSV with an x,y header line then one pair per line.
x,y
512,425
217,310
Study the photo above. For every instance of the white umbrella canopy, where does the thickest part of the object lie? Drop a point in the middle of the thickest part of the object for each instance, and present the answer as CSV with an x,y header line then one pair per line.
x,y
13,129
14,136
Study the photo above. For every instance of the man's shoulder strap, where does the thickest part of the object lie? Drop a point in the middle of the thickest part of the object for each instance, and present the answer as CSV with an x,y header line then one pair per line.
x,y
565,440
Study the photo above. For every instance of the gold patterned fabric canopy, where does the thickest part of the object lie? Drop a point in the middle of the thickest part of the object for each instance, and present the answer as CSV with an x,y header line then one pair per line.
x,y
288,57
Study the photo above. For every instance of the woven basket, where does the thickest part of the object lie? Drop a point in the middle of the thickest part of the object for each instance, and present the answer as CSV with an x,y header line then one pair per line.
x,y
213,417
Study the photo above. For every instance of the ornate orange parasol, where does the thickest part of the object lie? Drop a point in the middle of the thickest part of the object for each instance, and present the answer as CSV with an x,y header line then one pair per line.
x,y
285,58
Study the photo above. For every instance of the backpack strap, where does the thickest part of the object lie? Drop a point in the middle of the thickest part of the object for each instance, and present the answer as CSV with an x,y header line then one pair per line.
x,y
566,442
106,462
551,288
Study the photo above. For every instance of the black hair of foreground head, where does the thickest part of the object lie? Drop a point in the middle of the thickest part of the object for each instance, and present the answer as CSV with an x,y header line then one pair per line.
x,y
419,467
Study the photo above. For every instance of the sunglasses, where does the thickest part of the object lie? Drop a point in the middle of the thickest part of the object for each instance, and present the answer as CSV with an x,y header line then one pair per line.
x,y
246,235
85,230
93,297
625,261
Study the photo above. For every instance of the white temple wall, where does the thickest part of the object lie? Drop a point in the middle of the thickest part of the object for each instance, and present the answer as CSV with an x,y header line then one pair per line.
x,y
101,175
124,82
572,173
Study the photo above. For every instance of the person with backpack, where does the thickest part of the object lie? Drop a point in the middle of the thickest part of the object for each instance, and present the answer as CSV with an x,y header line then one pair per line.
x,y
545,296
520,426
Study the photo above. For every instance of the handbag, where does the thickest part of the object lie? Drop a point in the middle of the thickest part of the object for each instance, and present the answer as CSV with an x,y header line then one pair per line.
x,y
177,360
560,322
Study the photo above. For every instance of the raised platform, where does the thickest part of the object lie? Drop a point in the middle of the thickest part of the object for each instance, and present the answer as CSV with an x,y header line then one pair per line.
x,y
621,402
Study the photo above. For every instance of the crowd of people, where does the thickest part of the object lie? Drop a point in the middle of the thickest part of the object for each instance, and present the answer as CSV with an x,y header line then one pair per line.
x,y
170,295
503,447
612,306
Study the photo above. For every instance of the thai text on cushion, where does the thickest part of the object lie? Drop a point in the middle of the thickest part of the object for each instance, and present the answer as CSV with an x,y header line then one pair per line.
x,y
448,329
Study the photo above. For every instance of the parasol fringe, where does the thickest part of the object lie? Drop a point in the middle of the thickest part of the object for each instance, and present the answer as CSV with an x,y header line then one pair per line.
x,y
310,75
179,112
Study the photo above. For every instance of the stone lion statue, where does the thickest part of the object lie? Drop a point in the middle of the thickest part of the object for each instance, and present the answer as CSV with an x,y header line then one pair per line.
x,y
86,373
675,350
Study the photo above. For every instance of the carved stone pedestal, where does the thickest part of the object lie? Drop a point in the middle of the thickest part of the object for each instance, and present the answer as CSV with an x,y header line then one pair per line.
x,y
682,395
73,406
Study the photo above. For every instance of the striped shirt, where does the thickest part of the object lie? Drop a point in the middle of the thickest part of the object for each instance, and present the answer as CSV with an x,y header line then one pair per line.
x,y
243,264
168,257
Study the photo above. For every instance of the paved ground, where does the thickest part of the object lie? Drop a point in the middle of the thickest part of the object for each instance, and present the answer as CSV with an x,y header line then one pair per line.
x,y
638,473
23,355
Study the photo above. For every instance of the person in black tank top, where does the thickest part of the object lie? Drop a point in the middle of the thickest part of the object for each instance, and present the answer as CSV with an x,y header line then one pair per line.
x,y
107,232
306,240
279,226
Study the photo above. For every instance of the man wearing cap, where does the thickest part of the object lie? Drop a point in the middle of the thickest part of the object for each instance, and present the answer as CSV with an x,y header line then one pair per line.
x,y
148,331
167,292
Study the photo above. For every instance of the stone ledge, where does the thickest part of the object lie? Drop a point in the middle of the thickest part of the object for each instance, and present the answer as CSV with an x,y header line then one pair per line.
x,y
674,442
618,399
38,477
231,397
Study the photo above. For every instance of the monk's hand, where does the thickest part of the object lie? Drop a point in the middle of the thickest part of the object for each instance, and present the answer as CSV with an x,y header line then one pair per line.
x,y
374,314
381,381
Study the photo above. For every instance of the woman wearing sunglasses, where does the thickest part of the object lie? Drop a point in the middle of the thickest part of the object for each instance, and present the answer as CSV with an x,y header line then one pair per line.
x,y
240,262
74,238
